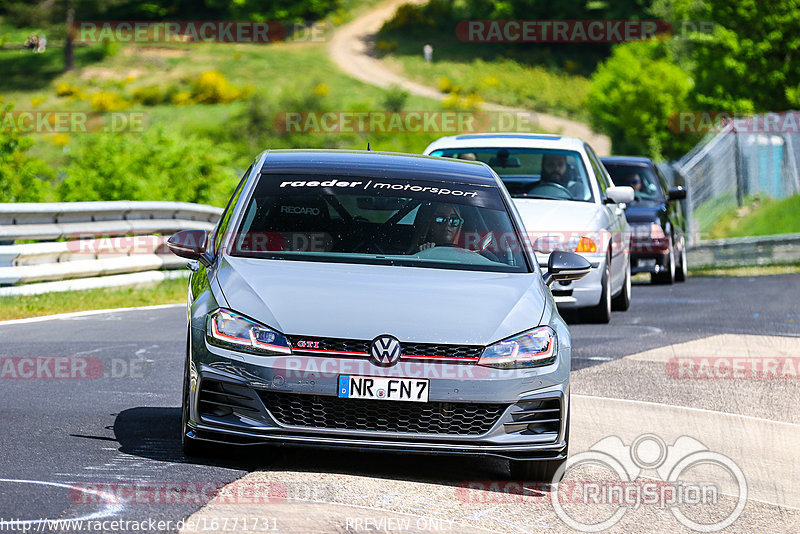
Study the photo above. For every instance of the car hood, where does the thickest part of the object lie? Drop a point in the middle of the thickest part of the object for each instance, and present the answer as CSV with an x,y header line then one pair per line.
x,y
644,211
364,301
542,216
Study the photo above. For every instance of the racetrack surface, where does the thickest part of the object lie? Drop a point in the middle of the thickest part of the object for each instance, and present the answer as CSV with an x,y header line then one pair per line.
x,y
116,421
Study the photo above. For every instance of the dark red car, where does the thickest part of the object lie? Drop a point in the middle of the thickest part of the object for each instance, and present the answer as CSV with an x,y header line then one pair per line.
x,y
658,243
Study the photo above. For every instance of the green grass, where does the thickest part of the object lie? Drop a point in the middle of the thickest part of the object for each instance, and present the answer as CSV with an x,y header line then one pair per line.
x,y
283,74
512,75
504,81
167,292
733,272
758,217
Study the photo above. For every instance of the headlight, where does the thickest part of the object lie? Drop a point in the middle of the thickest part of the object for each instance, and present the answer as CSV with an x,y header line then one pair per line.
x,y
230,330
533,348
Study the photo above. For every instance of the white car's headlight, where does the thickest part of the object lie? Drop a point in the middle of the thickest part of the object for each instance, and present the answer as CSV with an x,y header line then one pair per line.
x,y
534,348
230,330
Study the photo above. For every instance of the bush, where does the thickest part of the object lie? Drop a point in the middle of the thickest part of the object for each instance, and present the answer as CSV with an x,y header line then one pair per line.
x,y
445,85
150,96
22,178
211,87
107,101
157,165
632,96
65,89
394,99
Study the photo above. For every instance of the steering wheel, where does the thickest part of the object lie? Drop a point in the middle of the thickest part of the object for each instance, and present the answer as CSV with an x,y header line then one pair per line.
x,y
557,188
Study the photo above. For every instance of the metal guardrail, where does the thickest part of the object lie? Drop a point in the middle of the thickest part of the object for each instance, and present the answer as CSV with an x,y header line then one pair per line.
x,y
75,255
745,251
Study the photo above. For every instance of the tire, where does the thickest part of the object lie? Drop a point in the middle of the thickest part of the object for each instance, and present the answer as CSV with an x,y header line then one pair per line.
x,y
191,447
623,301
667,276
601,314
536,470
541,470
683,271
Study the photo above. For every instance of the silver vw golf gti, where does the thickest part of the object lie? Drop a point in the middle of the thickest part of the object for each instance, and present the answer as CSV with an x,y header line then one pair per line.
x,y
376,301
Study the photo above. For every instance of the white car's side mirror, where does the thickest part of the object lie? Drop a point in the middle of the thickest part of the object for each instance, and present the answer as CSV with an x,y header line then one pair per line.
x,y
620,194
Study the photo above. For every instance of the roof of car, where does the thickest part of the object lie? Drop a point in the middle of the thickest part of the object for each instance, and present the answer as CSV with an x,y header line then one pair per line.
x,y
626,159
507,139
378,165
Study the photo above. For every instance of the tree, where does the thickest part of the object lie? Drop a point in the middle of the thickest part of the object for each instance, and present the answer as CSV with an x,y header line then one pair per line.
x,y
69,56
633,95
749,61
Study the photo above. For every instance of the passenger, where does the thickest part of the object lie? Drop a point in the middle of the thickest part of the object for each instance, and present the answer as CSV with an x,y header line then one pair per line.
x,y
436,225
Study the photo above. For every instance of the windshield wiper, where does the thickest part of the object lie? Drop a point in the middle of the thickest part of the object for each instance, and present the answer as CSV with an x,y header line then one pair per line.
x,y
541,197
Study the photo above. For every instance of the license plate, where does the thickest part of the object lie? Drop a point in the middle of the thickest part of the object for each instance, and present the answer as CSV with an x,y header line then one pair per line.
x,y
383,388
646,263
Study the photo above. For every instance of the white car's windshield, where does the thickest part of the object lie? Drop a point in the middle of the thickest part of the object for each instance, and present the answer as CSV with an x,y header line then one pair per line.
x,y
395,222
532,172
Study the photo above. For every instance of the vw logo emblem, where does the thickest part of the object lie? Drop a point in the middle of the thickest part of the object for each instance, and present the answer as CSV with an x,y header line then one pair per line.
x,y
385,350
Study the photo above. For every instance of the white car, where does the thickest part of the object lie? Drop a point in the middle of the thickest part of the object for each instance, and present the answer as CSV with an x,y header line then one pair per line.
x,y
567,202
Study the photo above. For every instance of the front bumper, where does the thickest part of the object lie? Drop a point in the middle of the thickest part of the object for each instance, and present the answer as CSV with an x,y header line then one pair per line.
x,y
649,259
242,413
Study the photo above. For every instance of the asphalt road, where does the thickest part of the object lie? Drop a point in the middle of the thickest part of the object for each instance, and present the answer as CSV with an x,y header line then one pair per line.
x,y
69,432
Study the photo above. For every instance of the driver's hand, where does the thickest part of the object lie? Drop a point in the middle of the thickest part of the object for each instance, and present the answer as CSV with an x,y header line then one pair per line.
x,y
426,246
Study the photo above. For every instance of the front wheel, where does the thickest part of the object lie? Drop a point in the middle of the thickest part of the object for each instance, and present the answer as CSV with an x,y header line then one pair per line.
x,y
190,446
666,276
683,270
602,312
623,301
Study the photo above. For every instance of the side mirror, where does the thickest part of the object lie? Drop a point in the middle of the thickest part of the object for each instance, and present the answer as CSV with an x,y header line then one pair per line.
x,y
190,244
677,193
565,266
622,194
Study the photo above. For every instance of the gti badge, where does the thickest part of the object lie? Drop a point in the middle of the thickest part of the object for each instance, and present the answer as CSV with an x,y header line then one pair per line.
x,y
385,350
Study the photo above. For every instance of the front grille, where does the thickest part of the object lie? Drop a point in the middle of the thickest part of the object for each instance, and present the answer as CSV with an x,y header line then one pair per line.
x,y
318,411
434,350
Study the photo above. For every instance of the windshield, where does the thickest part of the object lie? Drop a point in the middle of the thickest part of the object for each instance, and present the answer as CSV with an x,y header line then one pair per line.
x,y
641,178
387,222
533,172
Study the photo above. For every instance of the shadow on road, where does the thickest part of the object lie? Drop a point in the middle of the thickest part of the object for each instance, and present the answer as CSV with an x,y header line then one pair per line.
x,y
154,433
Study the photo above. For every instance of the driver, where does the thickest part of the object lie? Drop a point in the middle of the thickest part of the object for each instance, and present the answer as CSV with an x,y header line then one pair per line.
x,y
555,170
436,225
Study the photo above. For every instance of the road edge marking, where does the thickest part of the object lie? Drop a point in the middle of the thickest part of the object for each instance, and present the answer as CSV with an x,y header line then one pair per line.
x,y
85,313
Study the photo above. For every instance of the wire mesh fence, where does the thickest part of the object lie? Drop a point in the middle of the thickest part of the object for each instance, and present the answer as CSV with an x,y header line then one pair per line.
x,y
756,156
